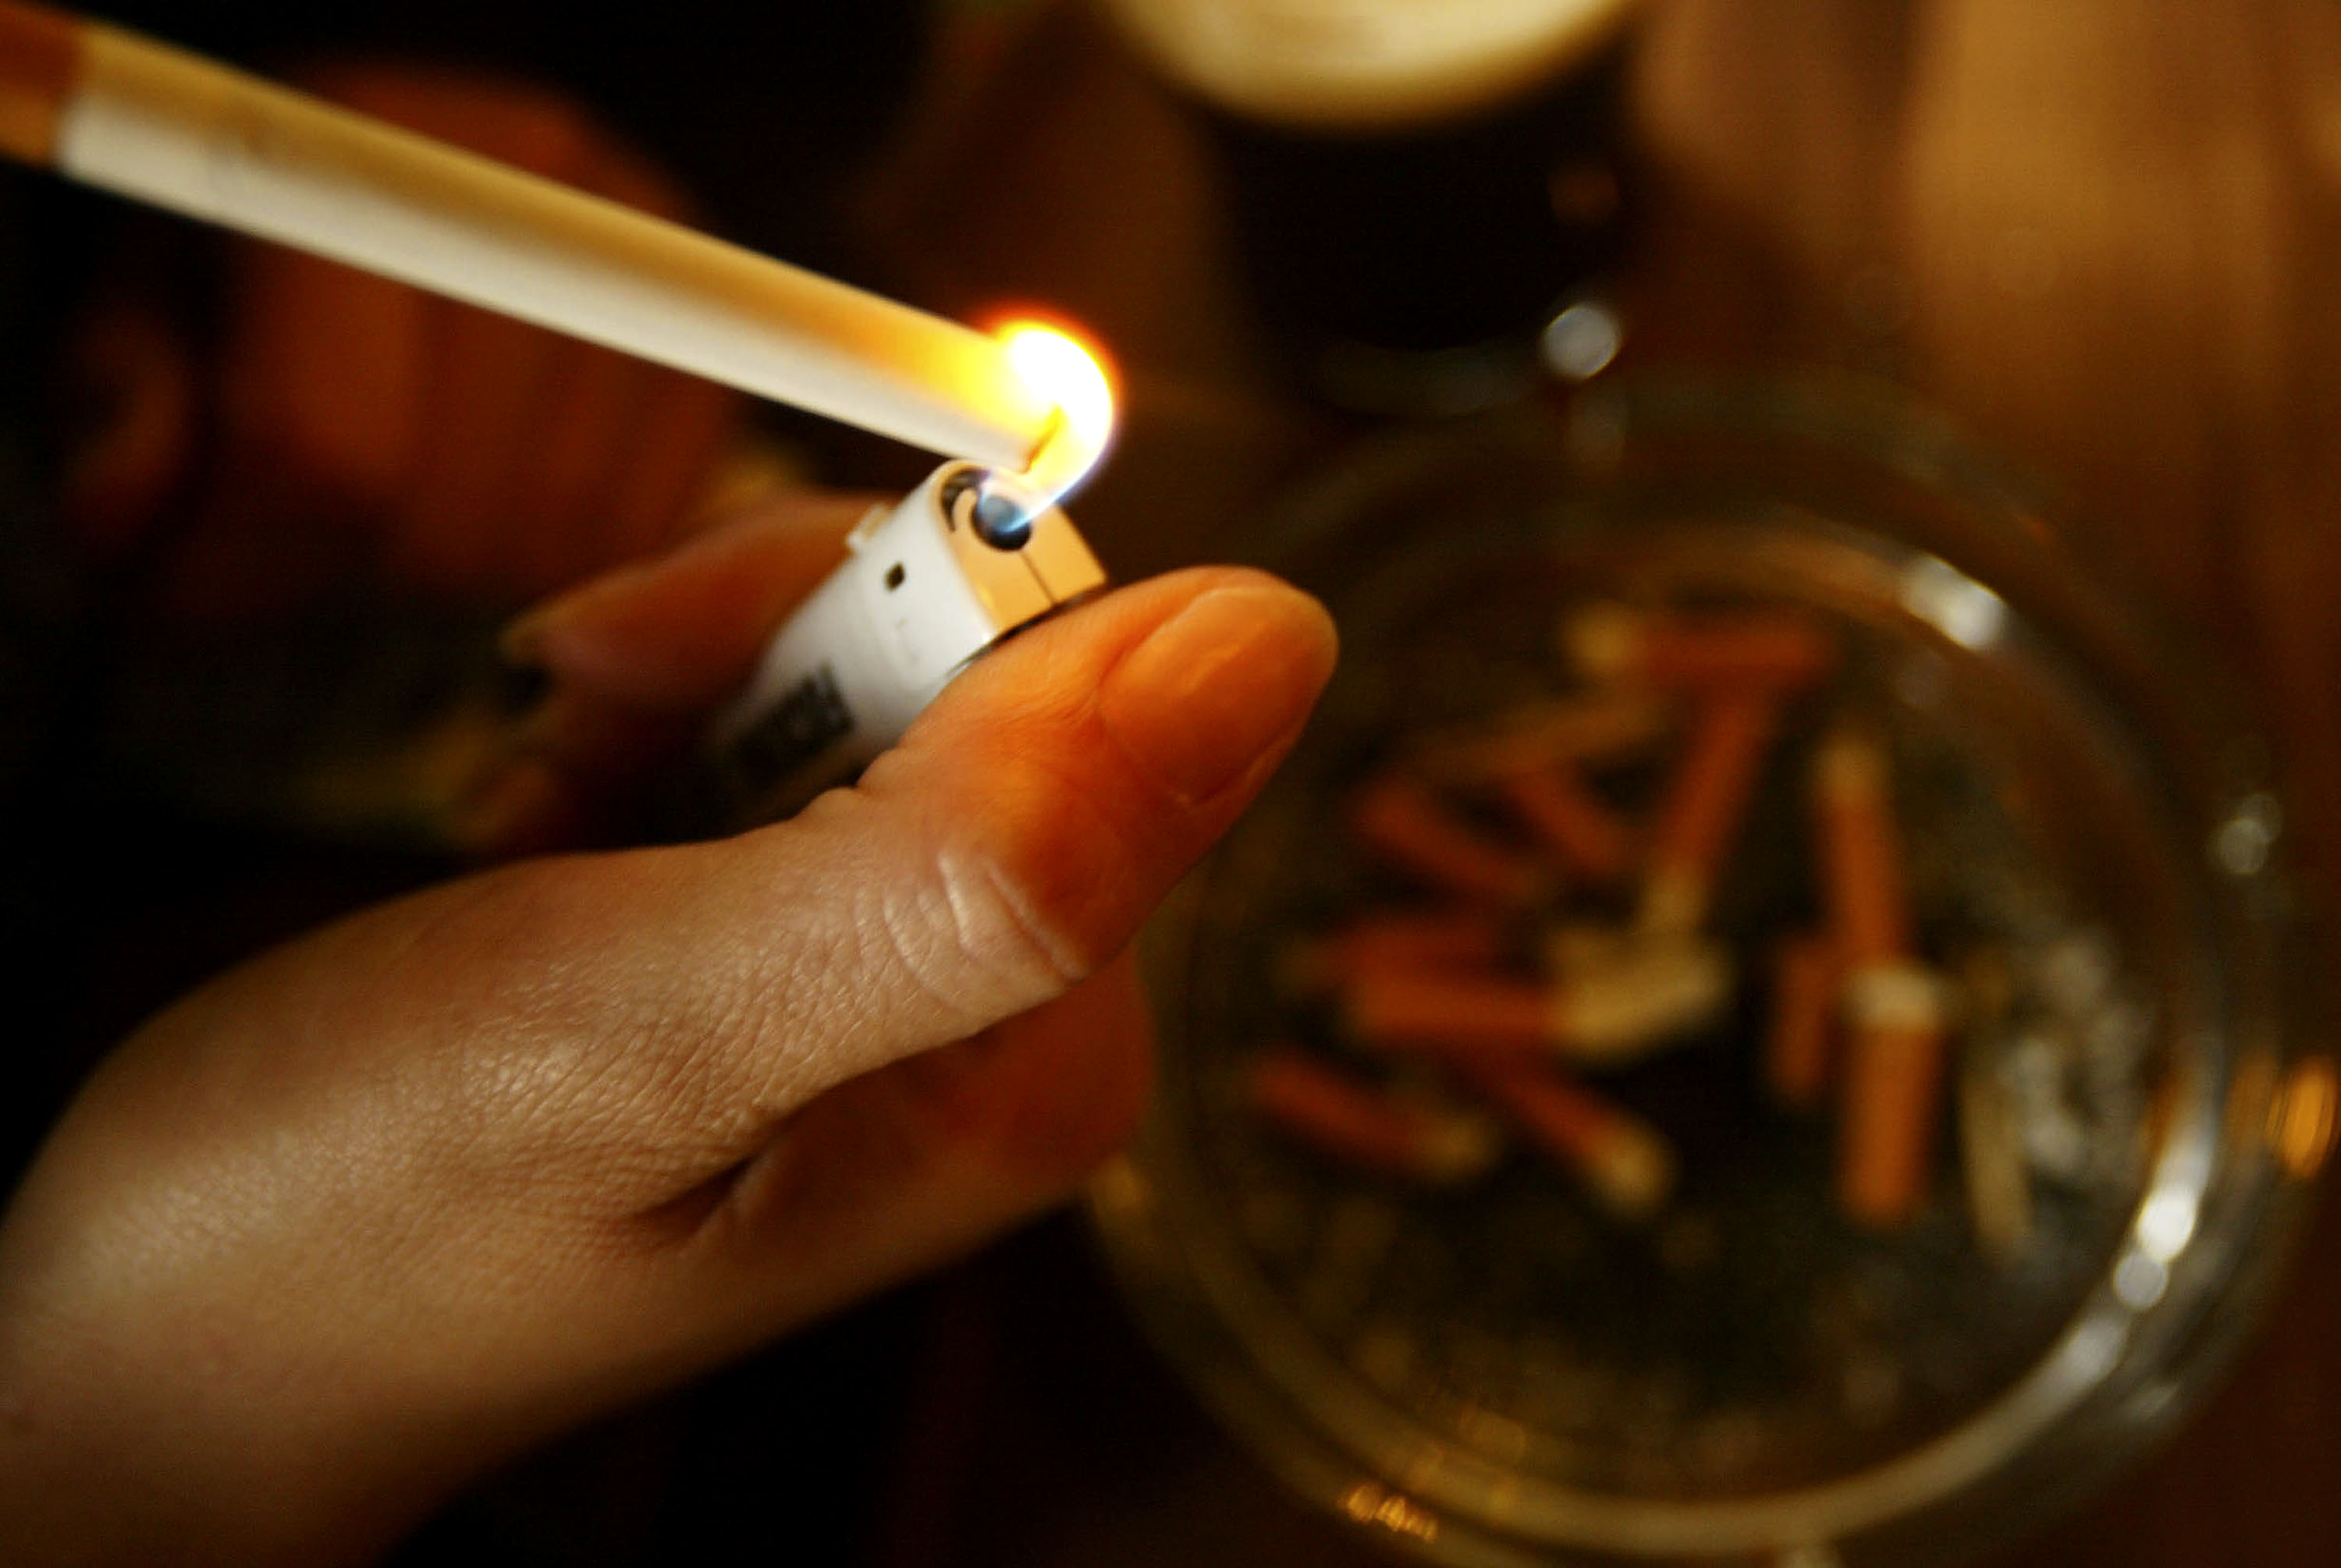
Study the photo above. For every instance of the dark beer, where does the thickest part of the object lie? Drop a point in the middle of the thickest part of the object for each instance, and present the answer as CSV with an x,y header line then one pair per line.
x,y
1406,256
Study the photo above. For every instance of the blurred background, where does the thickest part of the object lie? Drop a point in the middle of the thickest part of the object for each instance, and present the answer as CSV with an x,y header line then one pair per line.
x,y
2103,237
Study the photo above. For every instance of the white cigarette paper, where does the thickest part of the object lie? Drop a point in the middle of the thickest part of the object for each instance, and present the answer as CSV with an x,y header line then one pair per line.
x,y
169,128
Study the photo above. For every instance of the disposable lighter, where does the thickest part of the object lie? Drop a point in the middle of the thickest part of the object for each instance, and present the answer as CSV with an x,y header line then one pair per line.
x,y
964,561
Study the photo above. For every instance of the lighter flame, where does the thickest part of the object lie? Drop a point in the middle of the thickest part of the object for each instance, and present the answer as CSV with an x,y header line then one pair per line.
x,y
1073,377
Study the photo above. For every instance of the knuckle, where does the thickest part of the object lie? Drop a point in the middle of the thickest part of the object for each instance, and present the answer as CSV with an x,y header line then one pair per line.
x,y
1003,921
1022,911
1062,868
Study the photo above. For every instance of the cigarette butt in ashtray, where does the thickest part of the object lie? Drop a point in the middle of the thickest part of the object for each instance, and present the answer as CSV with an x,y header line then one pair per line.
x,y
1704,806
1685,652
1421,1140
1894,1006
1588,729
1466,939
1646,998
1806,977
1554,801
1992,1158
1895,1016
1626,1164
1405,823
1862,880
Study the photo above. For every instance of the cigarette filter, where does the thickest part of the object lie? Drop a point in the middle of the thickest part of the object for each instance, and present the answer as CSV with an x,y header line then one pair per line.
x,y
1649,995
1437,1144
1626,1164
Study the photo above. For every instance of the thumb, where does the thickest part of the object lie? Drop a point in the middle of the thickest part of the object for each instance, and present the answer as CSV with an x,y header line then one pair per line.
x,y
1011,844
409,1158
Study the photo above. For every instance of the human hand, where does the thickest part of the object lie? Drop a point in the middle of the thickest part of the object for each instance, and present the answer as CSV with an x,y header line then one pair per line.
x,y
388,1205
345,428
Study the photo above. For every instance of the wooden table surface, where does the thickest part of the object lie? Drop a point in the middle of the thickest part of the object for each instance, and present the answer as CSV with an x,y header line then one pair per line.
x,y
2103,235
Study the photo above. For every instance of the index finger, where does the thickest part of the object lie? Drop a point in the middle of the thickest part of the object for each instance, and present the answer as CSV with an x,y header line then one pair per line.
x,y
680,633
635,658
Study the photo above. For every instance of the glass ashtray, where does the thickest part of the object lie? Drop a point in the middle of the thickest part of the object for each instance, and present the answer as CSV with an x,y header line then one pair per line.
x,y
1763,1021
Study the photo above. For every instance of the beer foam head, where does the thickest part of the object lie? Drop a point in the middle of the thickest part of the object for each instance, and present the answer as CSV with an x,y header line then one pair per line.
x,y
1364,64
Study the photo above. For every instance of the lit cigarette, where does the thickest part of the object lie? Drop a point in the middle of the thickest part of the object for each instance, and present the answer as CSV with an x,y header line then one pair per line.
x,y
1627,1163
1337,1116
1442,939
1613,642
1701,813
160,125
1406,825
1805,978
1555,802
1653,995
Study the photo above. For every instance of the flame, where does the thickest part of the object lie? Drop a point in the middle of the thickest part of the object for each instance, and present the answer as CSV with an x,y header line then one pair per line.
x,y
1073,376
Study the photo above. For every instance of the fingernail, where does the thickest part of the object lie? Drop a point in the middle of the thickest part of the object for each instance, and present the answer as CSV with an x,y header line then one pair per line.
x,y
1217,685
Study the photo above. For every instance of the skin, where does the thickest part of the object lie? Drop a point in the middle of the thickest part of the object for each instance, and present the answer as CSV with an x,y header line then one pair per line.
x,y
386,1205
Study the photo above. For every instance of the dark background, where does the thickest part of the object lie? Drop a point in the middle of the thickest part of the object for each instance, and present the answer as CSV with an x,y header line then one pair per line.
x,y
2103,235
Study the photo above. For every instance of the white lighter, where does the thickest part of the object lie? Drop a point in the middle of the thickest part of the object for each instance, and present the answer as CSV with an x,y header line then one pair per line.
x,y
963,561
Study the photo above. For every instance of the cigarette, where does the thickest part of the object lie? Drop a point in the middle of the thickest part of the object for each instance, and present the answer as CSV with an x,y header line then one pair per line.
x,y
1893,1090
1577,729
1555,802
1991,1131
1893,1005
1462,1013
1442,1145
1701,812
1860,849
1991,1150
1448,938
160,125
1625,1162
1774,651
2301,1123
1805,978
1652,995
1407,826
